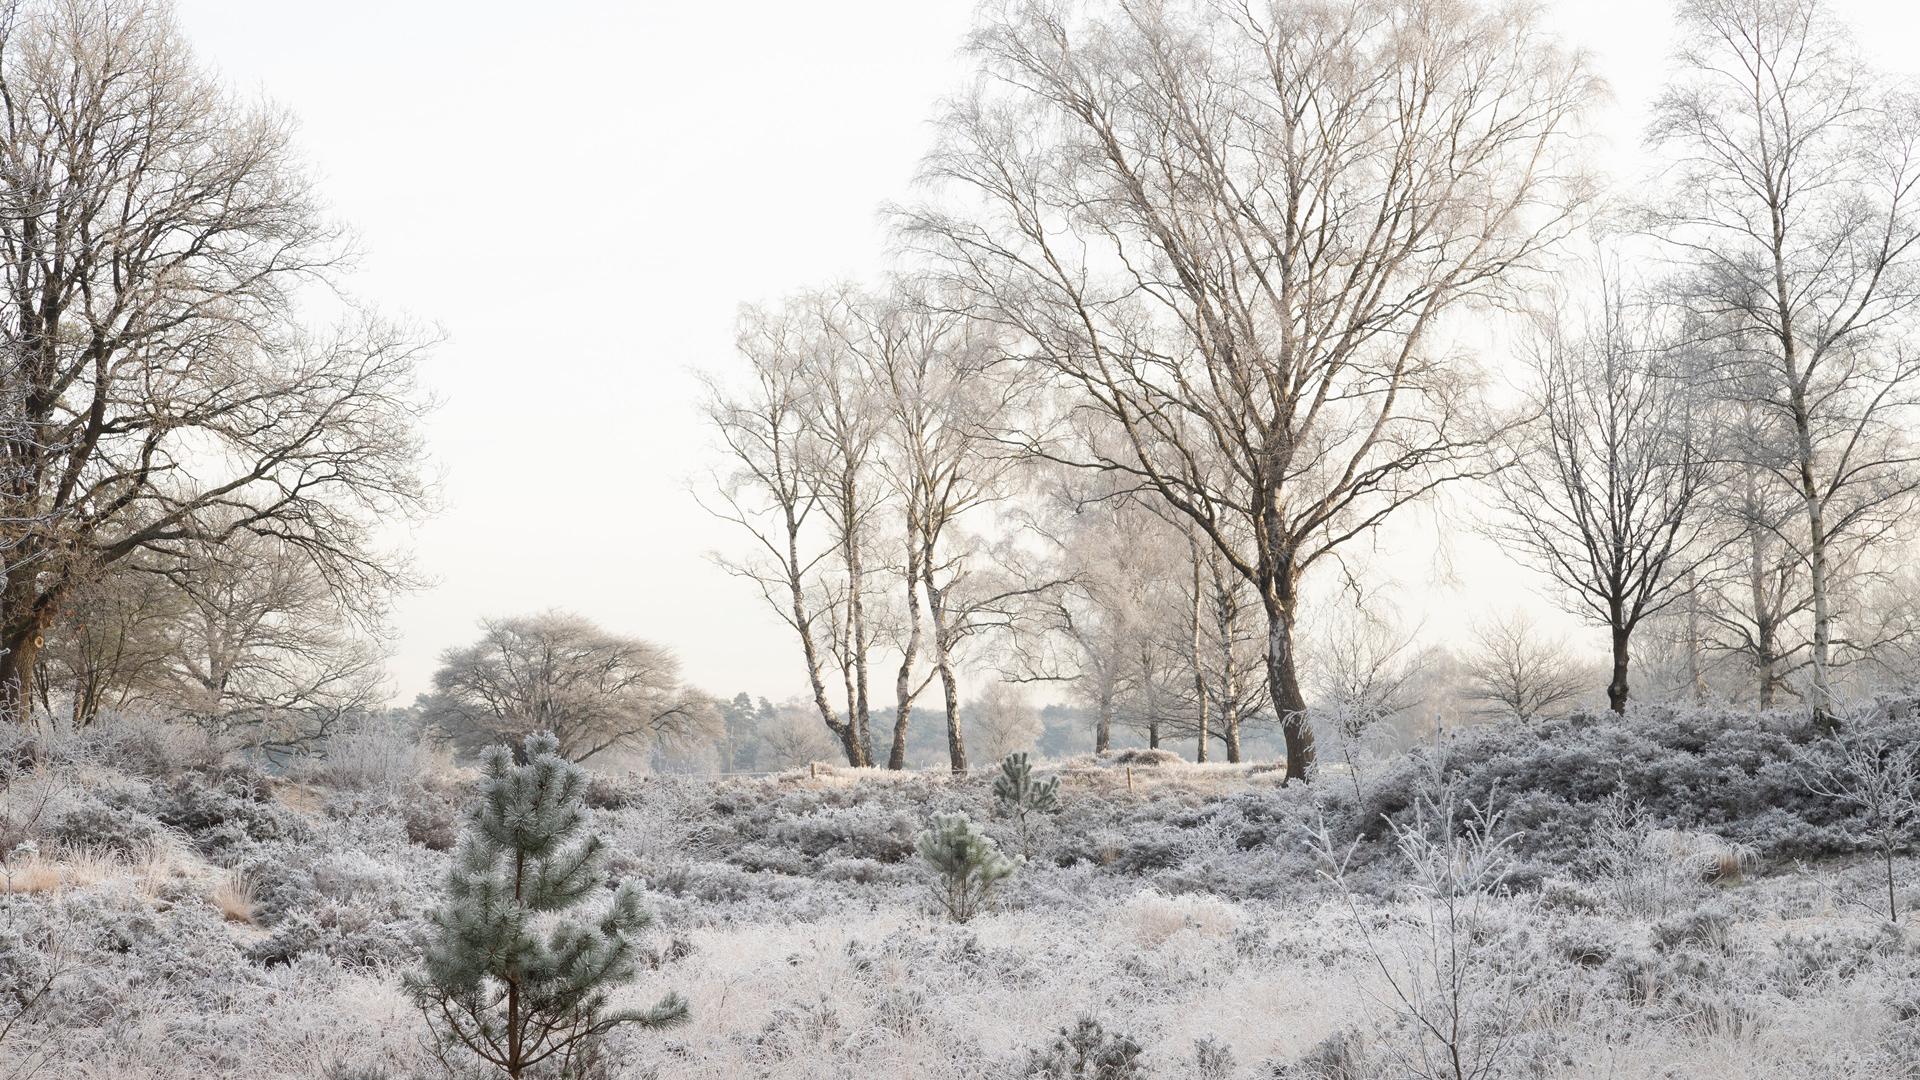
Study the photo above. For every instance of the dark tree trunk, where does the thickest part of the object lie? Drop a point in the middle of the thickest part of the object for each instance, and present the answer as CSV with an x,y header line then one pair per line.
x,y
1617,685
1289,703
21,636
1103,723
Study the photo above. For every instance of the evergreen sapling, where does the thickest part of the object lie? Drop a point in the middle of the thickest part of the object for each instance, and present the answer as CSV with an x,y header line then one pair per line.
x,y
506,974
967,862
1021,795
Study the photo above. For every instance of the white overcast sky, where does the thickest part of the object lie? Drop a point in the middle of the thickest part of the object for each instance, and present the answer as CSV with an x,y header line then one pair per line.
x,y
581,194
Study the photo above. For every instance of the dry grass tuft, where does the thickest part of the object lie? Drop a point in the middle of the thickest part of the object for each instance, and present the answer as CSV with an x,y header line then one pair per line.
x,y
233,895
33,874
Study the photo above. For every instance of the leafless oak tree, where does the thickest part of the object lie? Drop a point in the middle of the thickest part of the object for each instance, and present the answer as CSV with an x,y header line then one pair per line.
x,y
595,691
262,649
1234,231
153,233
1515,671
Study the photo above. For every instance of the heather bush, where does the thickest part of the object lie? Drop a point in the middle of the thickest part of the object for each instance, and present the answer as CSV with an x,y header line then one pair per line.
x,y
92,824
1086,1051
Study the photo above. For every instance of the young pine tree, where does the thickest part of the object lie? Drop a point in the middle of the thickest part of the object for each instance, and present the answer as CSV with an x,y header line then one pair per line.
x,y
966,862
1022,796
507,975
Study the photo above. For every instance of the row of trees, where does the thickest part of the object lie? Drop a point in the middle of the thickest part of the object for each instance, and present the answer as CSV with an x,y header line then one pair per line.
x,y
1201,301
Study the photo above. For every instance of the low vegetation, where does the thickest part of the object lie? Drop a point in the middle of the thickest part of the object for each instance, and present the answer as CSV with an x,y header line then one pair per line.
x,y
1604,897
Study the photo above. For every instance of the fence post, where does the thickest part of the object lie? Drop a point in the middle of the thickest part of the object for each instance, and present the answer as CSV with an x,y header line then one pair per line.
x,y
1129,779
813,770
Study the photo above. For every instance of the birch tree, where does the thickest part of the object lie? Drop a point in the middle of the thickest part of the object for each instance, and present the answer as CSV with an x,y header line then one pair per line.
x,y
769,489
949,405
1792,193
1235,232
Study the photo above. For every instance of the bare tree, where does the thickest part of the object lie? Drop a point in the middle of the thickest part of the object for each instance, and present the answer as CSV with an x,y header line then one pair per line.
x,y
770,491
1004,720
790,740
1793,195
1515,672
1609,480
1108,551
845,419
110,644
950,404
260,647
153,232
1366,669
595,691
1234,231
1881,781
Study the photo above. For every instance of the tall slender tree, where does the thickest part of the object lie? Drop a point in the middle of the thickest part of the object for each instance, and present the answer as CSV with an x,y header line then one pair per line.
x,y
1608,483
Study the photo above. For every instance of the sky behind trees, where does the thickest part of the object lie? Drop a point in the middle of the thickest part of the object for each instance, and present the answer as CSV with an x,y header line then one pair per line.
x,y
582,194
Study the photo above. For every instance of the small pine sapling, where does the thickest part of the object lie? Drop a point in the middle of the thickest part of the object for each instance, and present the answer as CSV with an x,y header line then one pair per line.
x,y
1022,796
966,862
492,982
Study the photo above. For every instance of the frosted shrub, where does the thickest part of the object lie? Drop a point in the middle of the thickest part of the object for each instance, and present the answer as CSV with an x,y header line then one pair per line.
x,y
1086,1051
492,984
1456,859
1023,797
1645,880
1880,781
967,864
378,755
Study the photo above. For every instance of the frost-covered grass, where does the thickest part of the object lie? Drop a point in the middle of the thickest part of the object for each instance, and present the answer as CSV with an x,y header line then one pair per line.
x,y
168,914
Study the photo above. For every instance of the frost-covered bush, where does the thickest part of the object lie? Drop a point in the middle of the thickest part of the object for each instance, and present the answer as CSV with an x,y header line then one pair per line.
x,y
145,746
93,825
378,755
1737,775
1086,1051
1340,1056
219,821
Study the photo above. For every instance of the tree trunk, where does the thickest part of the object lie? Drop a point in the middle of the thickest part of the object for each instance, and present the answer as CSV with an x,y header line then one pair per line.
x,y
24,616
1103,722
803,624
943,662
909,653
1617,685
17,667
1199,673
856,616
1289,703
